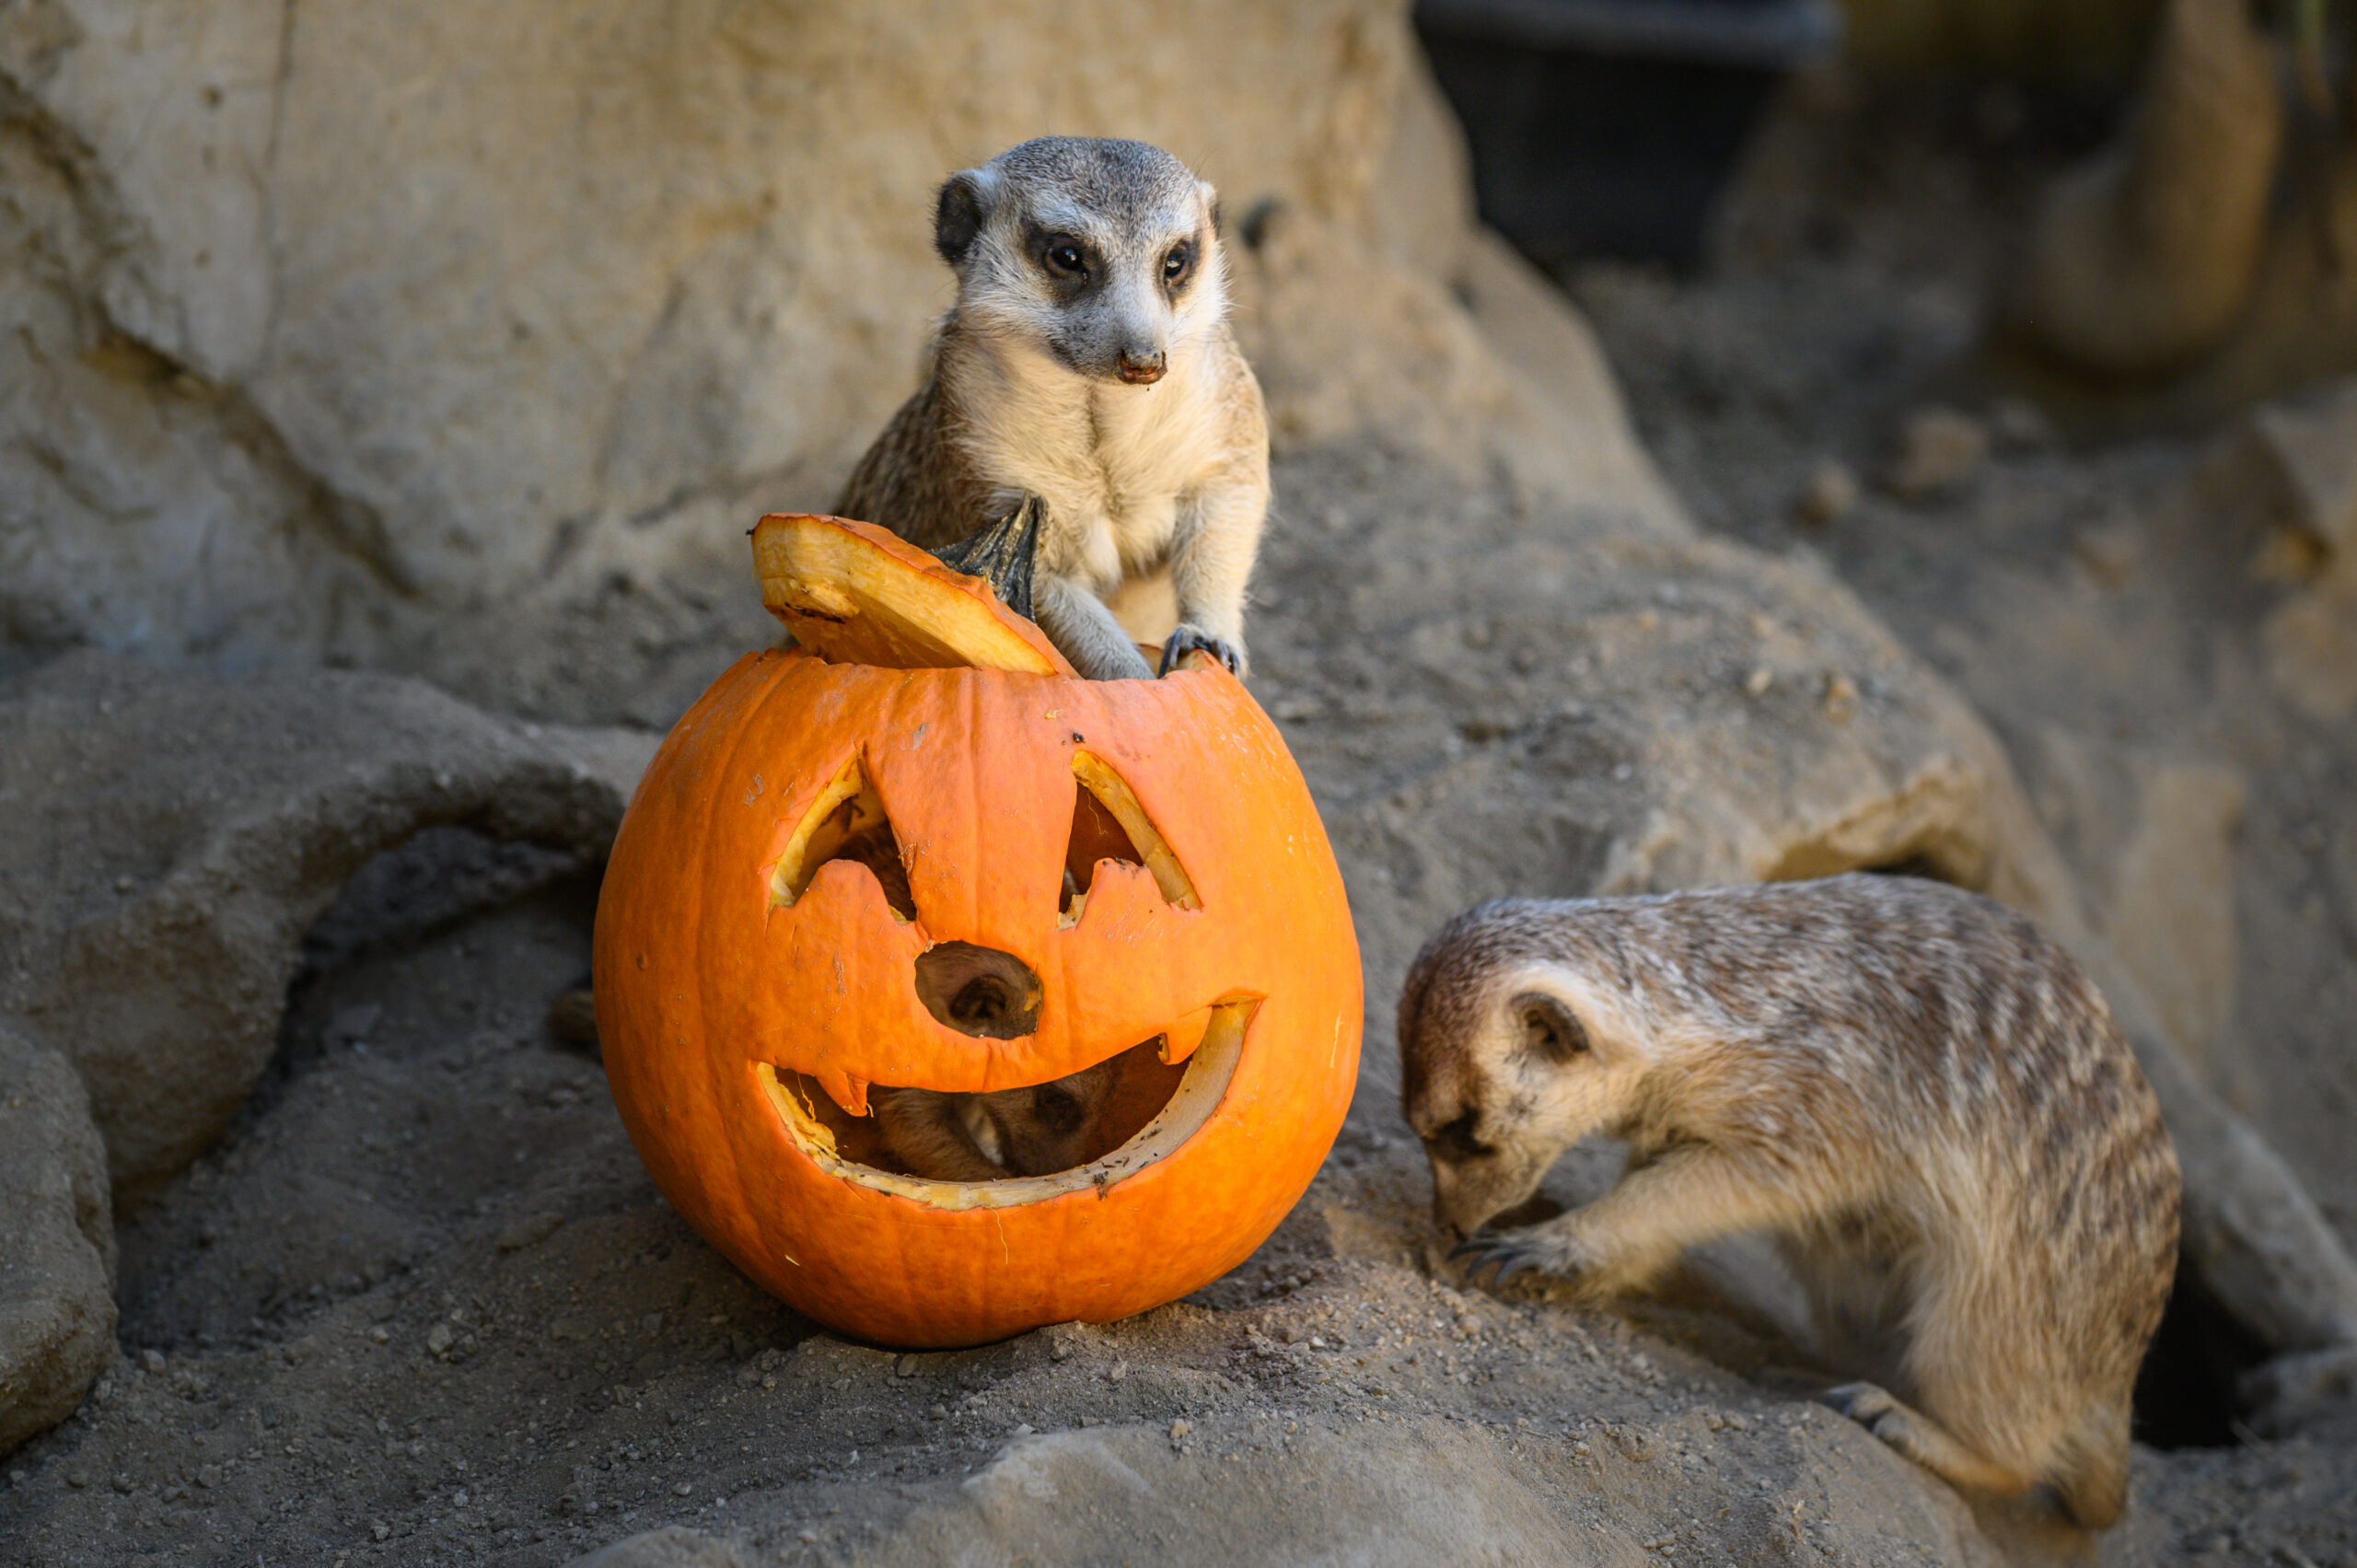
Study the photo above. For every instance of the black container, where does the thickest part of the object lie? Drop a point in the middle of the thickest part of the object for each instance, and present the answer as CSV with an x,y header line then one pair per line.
x,y
1607,127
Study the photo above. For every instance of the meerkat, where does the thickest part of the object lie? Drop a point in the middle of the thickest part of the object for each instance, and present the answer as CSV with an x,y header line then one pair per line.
x,y
1912,1088
1033,1131
1088,362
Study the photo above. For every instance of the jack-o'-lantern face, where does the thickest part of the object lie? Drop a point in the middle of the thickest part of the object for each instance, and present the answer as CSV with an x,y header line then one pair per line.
x,y
839,878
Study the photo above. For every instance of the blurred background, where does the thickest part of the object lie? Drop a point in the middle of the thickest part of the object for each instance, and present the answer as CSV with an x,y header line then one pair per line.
x,y
1888,351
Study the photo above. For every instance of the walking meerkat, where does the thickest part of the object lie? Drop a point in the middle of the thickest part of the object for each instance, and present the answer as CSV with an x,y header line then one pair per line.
x,y
1088,361
1914,1088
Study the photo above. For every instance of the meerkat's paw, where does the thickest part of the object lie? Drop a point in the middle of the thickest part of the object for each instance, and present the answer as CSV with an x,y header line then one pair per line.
x,y
1503,1254
1911,1435
1185,639
1863,1402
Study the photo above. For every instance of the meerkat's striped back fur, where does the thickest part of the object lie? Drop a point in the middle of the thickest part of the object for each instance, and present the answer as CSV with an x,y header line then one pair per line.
x,y
1914,1088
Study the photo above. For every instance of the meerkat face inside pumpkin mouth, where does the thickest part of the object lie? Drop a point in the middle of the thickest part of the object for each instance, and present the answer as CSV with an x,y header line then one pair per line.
x,y
1156,1099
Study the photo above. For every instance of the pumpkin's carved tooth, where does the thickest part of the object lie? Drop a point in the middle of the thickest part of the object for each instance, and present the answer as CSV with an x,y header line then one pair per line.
x,y
845,1090
1185,1033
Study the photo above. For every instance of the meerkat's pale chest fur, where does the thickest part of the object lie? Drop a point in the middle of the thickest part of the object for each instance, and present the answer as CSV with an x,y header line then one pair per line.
x,y
1089,361
1917,1092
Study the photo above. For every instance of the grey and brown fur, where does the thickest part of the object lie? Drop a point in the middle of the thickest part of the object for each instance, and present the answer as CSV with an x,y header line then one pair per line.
x,y
1089,361
1912,1088
1033,1131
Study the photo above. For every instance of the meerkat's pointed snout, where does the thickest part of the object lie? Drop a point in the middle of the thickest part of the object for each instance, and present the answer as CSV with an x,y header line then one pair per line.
x,y
1143,367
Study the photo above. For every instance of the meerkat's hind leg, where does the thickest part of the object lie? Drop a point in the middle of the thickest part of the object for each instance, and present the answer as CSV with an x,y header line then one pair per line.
x,y
1918,1438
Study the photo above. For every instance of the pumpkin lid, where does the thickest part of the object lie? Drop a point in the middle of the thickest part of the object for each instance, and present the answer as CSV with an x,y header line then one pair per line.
x,y
854,593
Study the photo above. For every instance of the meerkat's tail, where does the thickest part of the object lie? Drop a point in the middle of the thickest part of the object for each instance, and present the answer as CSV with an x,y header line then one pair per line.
x,y
2090,1468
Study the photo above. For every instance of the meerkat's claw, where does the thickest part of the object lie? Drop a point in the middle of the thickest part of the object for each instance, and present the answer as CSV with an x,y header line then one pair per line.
x,y
1506,1255
1861,1402
1186,639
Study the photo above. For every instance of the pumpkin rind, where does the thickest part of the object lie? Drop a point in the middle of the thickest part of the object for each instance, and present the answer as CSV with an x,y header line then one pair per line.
x,y
702,976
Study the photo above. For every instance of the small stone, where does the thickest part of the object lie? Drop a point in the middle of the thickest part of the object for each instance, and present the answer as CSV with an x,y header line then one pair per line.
x,y
2019,423
1180,1428
351,1025
1758,680
681,1490
379,1532
122,1483
530,1232
1121,1370
380,1334
1840,697
1830,492
208,1477
906,1366
1939,449
151,1361
77,1479
2109,551
1022,1429
439,1338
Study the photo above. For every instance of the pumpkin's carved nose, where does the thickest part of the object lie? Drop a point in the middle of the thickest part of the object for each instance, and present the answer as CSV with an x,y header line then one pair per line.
x,y
978,991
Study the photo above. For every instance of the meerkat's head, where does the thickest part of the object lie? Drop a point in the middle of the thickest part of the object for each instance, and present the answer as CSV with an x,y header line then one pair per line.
x,y
1103,254
1512,1049
1051,1126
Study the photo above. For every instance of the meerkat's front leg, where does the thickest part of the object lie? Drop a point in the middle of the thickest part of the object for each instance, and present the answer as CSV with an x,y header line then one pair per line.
x,y
1689,1194
1083,628
1219,532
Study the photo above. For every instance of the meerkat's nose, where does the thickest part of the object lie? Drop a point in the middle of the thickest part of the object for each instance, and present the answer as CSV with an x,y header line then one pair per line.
x,y
1141,370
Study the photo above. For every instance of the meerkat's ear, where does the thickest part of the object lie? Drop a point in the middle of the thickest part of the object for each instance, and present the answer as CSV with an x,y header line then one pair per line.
x,y
1211,200
958,212
1546,1028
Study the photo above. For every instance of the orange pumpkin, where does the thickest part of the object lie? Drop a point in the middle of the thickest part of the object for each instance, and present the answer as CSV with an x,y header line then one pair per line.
x,y
753,977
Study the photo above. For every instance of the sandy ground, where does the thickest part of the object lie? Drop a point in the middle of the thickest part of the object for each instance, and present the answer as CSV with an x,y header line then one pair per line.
x,y
423,1305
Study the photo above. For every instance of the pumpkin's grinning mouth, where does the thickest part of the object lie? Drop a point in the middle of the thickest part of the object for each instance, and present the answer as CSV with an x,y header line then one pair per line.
x,y
833,1141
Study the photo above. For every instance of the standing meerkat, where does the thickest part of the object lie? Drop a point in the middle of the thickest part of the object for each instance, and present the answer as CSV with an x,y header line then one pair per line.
x,y
1913,1087
1088,362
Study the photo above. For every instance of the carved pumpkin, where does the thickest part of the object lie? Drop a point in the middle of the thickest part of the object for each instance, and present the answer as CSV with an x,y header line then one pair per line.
x,y
1146,849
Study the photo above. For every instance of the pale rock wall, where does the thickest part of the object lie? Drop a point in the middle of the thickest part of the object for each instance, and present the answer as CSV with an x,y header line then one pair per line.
x,y
331,326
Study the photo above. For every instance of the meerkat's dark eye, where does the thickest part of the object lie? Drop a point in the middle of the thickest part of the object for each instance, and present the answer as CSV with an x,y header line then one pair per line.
x,y
1177,264
1063,255
1456,1140
1548,1029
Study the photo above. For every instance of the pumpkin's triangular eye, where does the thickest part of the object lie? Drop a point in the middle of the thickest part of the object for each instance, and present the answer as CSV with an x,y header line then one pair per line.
x,y
1108,823
846,822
